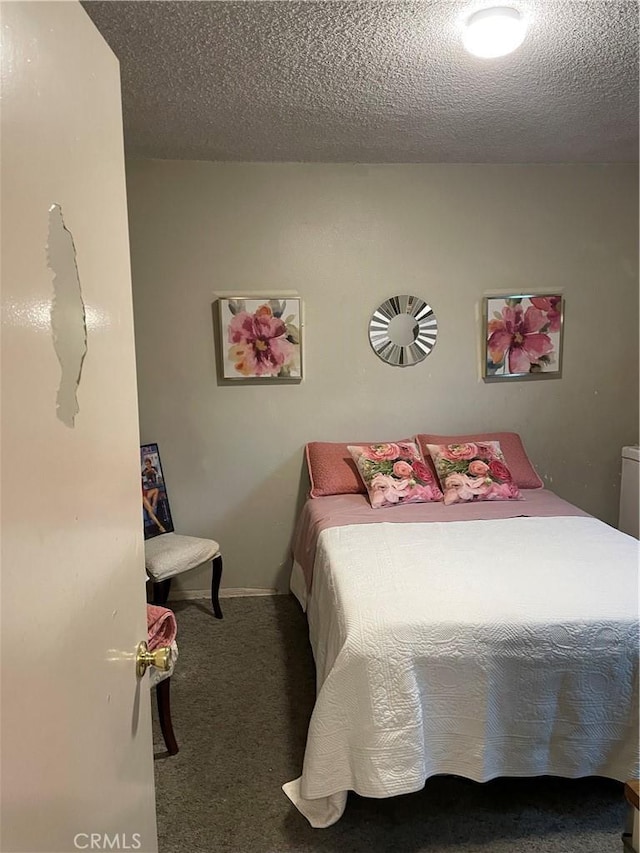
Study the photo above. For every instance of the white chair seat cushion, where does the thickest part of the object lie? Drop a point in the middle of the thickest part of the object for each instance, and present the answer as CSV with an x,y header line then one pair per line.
x,y
170,554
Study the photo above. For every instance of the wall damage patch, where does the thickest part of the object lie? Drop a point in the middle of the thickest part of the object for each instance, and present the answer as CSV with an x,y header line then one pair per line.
x,y
68,315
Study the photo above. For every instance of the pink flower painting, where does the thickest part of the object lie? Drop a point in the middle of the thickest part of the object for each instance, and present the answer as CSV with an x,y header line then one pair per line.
x,y
551,306
261,338
523,336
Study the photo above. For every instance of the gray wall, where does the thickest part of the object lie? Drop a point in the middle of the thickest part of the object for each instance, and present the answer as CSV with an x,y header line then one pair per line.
x,y
346,237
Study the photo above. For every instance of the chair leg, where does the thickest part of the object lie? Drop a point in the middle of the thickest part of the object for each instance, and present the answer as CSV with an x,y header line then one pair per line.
x,y
216,576
163,695
161,592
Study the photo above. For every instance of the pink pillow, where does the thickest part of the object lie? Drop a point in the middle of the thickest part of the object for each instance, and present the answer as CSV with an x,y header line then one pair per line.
x,y
524,474
394,474
332,471
473,471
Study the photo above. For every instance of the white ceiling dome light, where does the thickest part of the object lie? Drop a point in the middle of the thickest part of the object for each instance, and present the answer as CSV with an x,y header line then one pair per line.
x,y
494,32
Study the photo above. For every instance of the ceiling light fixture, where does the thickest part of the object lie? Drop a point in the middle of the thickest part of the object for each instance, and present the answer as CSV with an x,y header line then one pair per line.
x,y
494,32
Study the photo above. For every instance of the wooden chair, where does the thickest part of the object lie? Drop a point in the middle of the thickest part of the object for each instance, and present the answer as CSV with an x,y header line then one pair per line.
x,y
166,556
169,555
162,683
631,835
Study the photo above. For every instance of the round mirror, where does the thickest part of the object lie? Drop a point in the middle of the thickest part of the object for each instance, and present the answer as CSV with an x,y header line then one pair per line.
x,y
403,330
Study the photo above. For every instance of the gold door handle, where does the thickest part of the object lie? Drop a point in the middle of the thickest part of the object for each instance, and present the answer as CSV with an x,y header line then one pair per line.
x,y
160,658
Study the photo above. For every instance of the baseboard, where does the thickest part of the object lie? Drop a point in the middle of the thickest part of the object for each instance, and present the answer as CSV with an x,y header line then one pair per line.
x,y
228,592
241,591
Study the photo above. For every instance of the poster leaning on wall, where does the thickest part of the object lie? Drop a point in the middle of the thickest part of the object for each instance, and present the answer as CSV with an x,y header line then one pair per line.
x,y
156,513
522,336
261,338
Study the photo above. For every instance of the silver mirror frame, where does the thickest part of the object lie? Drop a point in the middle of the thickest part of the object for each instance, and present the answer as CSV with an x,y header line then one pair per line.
x,y
425,331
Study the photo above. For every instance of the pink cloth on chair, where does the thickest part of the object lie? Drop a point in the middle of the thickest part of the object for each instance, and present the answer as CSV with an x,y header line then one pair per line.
x,y
161,626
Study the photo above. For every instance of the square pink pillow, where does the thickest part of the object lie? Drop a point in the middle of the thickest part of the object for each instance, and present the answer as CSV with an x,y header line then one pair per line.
x,y
394,474
473,471
332,471
524,474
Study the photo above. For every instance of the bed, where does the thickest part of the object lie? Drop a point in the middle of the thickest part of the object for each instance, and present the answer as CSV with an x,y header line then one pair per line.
x,y
481,640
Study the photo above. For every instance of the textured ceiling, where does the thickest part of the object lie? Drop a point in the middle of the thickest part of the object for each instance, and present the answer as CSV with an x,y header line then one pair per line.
x,y
373,81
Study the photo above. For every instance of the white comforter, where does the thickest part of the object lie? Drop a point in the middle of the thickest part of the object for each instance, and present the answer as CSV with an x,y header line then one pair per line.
x,y
476,648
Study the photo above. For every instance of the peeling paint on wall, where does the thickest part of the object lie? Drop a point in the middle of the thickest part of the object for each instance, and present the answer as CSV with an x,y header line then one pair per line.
x,y
68,315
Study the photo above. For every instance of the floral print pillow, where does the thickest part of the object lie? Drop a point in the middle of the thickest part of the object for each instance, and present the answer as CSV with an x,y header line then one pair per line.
x,y
473,472
394,474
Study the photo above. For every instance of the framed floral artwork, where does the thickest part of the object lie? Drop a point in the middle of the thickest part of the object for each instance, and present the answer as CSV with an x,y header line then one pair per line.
x,y
261,338
522,336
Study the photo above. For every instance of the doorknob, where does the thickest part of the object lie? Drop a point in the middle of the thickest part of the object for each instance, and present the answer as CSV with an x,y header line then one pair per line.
x,y
160,658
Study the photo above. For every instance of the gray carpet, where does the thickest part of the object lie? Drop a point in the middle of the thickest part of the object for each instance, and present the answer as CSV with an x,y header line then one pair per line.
x,y
242,695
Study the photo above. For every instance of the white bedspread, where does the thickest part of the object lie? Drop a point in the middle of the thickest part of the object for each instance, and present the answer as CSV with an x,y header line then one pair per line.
x,y
476,648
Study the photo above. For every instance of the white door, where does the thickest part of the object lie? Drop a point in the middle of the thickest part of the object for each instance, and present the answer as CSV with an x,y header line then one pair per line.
x,y
77,763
